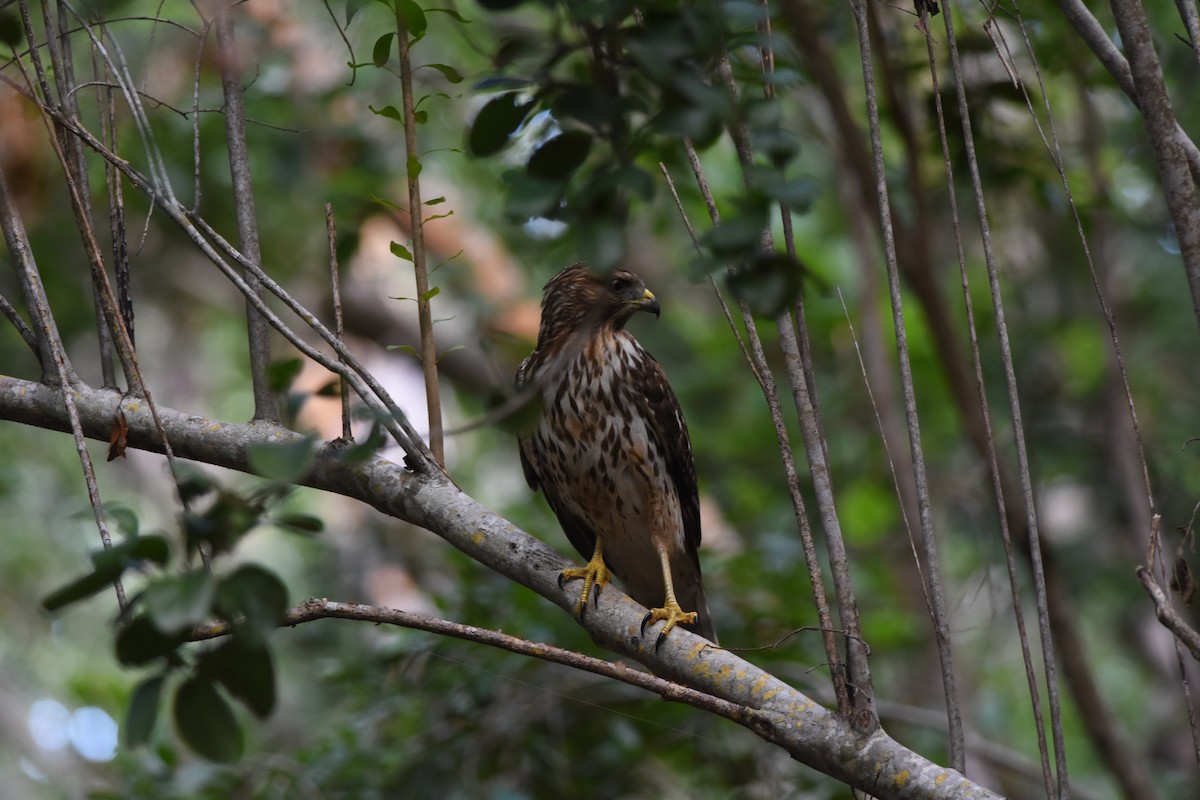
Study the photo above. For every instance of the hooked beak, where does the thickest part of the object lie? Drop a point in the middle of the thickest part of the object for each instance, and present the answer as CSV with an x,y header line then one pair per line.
x,y
649,303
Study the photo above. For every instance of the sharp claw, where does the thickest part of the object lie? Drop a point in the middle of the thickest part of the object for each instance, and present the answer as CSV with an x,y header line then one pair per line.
x,y
661,638
645,622
562,582
596,594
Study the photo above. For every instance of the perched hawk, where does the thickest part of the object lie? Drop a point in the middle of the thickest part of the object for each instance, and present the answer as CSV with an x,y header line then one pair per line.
x,y
611,450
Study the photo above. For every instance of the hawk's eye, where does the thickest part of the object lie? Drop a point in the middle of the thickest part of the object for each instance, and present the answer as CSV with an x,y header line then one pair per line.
x,y
619,284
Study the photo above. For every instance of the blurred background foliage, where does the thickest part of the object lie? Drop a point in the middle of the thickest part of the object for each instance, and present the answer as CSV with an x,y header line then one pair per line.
x,y
368,712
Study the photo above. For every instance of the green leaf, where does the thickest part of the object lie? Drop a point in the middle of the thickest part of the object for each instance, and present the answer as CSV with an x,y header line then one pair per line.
x,y
413,164
451,350
224,522
352,8
362,451
449,73
177,604
414,17
280,374
391,112
437,201
283,462
601,243
246,670
143,711
140,642
301,523
391,204
798,193
331,389
495,124
83,587
560,156
406,349
736,235
420,117
119,515
206,722
256,596
130,553
432,293
147,548
768,284
192,482
382,50
532,197
449,11
400,251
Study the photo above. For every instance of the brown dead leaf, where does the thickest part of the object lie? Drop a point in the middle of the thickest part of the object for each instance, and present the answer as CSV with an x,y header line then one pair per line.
x,y
119,439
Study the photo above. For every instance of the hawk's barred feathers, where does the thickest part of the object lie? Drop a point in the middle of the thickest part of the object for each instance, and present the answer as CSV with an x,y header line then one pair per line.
x,y
611,451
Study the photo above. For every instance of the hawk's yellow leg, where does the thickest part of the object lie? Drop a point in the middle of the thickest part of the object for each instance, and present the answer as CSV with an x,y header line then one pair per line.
x,y
671,611
594,575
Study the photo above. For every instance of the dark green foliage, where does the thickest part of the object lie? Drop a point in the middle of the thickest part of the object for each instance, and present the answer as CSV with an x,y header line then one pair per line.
x,y
634,86
206,722
143,711
496,123
158,626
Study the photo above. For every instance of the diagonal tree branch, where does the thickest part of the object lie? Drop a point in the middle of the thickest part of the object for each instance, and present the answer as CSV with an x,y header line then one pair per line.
x,y
781,714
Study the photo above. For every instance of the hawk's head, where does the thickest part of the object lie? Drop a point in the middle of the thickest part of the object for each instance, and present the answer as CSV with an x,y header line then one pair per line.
x,y
577,299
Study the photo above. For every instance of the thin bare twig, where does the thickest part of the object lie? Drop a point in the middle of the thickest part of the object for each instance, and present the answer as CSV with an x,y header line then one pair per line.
x,y
1103,726
1168,616
1035,548
924,510
335,290
990,454
429,356
1178,183
14,316
315,609
257,330
55,357
1094,35
759,365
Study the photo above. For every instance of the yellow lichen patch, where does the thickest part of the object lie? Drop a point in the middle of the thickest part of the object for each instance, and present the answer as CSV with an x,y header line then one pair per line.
x,y
759,684
740,674
477,537
941,778
724,672
770,694
696,651
902,777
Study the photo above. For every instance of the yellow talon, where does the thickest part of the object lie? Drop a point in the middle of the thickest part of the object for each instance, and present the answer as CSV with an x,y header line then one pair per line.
x,y
672,614
671,611
595,575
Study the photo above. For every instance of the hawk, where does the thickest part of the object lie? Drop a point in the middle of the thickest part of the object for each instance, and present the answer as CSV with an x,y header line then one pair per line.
x,y
611,451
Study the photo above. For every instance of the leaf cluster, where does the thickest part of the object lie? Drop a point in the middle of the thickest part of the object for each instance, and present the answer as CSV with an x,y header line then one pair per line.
x,y
158,623
622,87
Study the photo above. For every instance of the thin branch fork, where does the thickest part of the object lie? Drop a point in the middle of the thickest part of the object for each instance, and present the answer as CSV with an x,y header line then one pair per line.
x,y
783,716
1167,615
322,608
